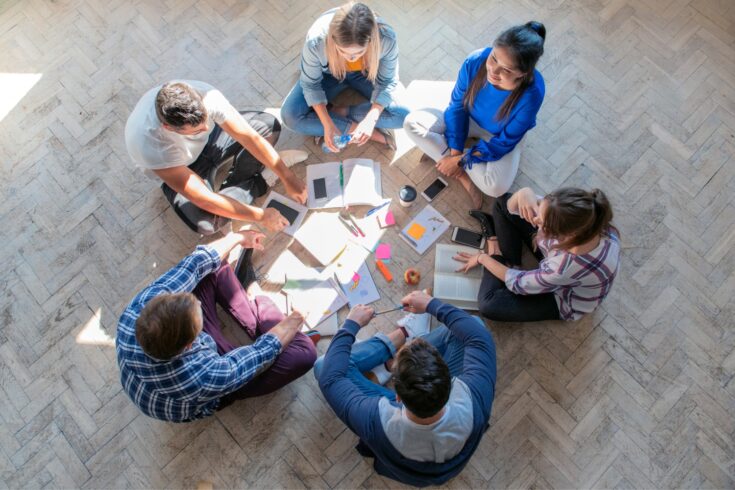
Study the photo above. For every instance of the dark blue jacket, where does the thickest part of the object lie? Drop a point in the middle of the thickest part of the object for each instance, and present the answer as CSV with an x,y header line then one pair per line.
x,y
360,412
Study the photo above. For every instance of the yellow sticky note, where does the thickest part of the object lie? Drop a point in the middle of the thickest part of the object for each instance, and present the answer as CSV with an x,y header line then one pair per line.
x,y
416,231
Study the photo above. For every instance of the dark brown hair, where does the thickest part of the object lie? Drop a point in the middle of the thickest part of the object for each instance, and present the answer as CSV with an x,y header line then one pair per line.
x,y
422,378
178,104
167,324
576,215
526,45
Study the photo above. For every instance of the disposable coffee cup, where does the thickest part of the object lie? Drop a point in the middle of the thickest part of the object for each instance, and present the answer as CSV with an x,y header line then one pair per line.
x,y
407,195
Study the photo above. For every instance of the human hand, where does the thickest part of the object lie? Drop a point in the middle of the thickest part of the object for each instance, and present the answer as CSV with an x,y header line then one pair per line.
x,y
449,166
361,314
416,302
469,261
528,207
273,220
251,239
364,130
330,132
295,188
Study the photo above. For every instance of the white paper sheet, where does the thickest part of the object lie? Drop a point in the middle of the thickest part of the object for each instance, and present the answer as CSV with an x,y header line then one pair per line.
x,y
353,276
323,235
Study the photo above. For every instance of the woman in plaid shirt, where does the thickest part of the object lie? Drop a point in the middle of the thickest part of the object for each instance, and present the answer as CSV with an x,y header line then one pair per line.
x,y
570,233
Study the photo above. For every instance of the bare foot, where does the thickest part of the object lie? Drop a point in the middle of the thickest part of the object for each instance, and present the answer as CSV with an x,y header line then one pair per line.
x,y
475,194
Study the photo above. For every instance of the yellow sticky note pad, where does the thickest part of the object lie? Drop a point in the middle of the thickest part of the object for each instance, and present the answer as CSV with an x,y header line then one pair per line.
x,y
416,231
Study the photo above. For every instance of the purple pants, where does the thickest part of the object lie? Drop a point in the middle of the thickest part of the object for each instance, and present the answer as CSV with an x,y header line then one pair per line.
x,y
256,317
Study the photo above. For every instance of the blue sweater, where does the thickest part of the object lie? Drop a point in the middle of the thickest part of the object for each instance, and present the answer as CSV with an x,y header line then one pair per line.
x,y
360,412
506,133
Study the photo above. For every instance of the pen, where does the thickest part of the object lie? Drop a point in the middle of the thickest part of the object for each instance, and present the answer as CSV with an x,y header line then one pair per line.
x,y
377,208
341,177
388,311
410,240
349,227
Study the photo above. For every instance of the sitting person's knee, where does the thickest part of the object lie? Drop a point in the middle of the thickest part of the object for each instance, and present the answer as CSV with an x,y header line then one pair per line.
x,y
486,306
412,124
318,367
496,189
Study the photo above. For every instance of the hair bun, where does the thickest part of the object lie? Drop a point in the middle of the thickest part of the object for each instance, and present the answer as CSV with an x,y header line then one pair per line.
x,y
538,28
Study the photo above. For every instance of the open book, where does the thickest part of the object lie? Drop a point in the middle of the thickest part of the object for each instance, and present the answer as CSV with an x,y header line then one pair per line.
x,y
355,181
456,288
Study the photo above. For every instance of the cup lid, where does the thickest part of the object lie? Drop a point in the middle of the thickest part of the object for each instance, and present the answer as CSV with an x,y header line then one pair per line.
x,y
407,193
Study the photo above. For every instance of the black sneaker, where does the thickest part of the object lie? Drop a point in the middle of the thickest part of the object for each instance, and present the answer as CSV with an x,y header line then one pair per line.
x,y
486,222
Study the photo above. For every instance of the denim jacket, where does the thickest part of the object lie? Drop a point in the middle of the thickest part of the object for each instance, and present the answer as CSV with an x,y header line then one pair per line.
x,y
314,63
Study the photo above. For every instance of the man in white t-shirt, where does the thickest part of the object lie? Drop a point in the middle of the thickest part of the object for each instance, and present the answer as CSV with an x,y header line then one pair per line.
x,y
183,131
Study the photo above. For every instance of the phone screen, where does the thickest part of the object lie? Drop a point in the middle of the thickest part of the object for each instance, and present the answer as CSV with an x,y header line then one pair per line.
x,y
469,238
435,188
289,213
320,188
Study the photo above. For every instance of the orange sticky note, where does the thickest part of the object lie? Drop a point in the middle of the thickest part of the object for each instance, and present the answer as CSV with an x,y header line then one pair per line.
x,y
416,231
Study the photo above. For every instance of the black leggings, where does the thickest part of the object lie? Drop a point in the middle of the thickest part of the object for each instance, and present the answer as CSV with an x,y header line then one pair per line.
x,y
244,181
496,302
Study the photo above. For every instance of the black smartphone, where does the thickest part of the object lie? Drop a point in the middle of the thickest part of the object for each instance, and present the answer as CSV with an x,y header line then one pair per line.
x,y
289,213
320,189
435,188
468,237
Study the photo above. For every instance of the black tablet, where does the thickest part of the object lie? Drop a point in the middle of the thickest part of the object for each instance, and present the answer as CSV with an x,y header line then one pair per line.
x,y
289,213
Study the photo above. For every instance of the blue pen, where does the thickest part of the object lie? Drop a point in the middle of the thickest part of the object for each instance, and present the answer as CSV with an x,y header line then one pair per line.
x,y
377,208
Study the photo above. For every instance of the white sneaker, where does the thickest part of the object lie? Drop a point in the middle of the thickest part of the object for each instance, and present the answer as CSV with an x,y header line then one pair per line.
x,y
381,374
292,157
416,324
270,177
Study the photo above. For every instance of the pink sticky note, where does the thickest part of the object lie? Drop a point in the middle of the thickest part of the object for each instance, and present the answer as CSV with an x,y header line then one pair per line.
x,y
390,220
383,252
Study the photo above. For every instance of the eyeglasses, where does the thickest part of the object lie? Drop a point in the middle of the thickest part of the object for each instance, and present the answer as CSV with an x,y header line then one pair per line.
x,y
351,54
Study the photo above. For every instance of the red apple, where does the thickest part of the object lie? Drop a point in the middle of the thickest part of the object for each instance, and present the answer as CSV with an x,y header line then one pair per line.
x,y
412,276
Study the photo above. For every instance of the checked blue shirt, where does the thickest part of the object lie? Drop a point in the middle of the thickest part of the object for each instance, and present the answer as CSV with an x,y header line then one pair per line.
x,y
190,385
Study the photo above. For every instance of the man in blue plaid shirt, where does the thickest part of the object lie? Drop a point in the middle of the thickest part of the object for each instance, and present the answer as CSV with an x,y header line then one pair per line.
x,y
176,365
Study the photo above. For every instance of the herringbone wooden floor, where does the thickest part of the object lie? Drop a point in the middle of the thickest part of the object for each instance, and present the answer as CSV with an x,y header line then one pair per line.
x,y
640,102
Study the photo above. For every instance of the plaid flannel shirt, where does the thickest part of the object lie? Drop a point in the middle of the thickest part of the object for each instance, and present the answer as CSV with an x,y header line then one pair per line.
x,y
579,282
190,385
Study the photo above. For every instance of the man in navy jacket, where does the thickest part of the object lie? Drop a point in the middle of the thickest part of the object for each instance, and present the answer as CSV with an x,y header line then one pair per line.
x,y
425,432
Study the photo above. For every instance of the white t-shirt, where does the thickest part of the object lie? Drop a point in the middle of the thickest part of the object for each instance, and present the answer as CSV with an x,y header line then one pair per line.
x,y
151,147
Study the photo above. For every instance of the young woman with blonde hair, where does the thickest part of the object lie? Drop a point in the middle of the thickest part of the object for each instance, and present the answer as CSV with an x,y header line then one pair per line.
x,y
347,47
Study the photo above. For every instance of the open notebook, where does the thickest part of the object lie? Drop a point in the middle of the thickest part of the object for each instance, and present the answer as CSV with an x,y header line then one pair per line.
x,y
456,288
361,183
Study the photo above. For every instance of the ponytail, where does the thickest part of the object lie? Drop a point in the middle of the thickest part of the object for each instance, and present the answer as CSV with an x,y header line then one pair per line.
x,y
575,216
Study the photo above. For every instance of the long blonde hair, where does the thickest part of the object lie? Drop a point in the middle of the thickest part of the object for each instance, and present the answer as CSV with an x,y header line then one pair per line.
x,y
353,24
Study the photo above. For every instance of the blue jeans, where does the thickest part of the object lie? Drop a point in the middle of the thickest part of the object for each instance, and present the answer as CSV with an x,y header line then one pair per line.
x,y
375,351
298,116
